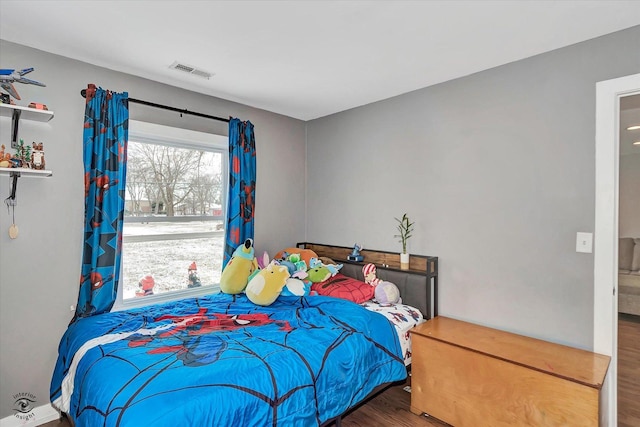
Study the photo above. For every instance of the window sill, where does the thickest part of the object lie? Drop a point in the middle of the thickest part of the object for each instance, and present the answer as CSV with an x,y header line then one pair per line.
x,y
165,297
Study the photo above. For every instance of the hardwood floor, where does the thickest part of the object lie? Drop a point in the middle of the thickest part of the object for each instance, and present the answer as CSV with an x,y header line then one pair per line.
x,y
391,408
628,370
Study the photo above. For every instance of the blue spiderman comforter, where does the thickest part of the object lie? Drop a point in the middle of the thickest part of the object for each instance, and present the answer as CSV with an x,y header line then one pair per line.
x,y
223,361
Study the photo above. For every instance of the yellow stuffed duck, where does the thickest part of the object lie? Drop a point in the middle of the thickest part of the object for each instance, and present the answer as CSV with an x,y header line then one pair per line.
x,y
266,285
242,264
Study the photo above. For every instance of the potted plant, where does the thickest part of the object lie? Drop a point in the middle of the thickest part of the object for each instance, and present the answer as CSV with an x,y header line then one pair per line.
x,y
405,227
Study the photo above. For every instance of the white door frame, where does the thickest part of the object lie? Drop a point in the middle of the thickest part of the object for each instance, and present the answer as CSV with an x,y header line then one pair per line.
x,y
605,275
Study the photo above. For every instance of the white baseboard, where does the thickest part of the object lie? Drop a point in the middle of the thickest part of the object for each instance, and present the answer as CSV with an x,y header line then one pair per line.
x,y
41,414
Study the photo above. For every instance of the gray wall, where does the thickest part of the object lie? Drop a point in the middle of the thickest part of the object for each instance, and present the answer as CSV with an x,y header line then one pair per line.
x,y
39,271
497,169
629,214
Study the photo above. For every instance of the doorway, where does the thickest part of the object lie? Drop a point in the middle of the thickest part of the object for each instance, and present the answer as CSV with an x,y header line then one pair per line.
x,y
628,388
605,313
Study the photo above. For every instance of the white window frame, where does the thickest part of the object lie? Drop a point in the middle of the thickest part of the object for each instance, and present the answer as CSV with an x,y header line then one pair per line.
x,y
151,133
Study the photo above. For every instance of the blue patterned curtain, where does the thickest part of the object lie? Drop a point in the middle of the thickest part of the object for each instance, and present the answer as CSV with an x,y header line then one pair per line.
x,y
242,186
106,126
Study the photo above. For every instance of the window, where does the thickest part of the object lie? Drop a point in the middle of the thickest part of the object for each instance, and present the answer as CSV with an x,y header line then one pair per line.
x,y
173,233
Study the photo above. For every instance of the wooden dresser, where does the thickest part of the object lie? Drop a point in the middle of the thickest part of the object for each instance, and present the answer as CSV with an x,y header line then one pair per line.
x,y
470,375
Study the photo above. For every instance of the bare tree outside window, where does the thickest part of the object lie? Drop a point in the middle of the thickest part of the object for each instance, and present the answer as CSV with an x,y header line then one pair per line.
x,y
173,217
172,177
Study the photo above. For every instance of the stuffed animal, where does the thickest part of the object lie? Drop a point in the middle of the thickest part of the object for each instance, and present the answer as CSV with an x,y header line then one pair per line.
x,y
242,264
263,260
319,274
298,263
370,275
327,262
315,262
305,254
295,264
296,287
385,292
266,285
290,266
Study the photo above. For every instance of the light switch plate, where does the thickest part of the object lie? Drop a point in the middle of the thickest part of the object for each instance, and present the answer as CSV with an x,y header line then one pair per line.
x,y
584,242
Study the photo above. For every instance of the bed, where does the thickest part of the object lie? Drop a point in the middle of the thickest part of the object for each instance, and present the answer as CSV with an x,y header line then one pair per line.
x,y
222,360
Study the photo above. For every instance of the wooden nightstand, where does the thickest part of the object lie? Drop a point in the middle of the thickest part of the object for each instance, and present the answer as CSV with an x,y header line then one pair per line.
x,y
470,375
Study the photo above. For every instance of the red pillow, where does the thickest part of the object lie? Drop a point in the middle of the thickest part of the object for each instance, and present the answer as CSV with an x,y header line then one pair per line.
x,y
341,286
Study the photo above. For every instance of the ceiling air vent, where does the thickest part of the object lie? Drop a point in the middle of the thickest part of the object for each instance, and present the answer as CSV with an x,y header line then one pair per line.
x,y
191,70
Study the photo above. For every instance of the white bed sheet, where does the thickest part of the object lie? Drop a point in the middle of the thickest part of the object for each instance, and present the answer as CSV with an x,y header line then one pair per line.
x,y
404,317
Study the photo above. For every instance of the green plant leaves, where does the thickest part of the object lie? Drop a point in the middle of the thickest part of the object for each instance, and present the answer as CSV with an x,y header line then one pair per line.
x,y
405,228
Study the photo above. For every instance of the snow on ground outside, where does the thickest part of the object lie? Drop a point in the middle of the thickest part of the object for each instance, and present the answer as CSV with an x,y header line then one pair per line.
x,y
168,261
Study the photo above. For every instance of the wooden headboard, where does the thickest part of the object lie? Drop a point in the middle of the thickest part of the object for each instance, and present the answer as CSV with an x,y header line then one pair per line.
x,y
418,285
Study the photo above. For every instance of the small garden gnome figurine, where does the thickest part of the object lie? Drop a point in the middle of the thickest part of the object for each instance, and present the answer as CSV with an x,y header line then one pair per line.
x,y
146,285
194,280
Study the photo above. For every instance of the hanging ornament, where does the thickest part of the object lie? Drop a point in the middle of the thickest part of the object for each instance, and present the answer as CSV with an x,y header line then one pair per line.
x,y
11,207
13,231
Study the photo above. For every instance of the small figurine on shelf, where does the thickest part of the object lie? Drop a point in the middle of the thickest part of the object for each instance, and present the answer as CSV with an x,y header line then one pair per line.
x,y
26,156
38,106
146,285
194,280
4,161
17,158
9,76
37,156
22,156
355,254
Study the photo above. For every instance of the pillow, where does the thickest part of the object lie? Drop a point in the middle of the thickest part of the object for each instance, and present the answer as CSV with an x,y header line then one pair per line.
x,y
635,263
341,286
625,253
305,254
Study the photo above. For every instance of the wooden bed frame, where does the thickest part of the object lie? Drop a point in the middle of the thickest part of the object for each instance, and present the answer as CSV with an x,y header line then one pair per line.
x,y
418,285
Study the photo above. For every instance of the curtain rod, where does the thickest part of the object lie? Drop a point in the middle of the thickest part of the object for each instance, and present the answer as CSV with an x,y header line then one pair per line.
x,y
83,92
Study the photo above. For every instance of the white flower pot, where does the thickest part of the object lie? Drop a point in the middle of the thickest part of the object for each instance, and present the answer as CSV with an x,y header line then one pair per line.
x,y
404,261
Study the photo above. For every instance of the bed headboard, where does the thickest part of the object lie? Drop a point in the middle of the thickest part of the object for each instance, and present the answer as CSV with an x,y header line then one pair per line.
x,y
418,285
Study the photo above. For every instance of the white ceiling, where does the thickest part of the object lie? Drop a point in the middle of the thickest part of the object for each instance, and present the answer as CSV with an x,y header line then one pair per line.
x,y
307,59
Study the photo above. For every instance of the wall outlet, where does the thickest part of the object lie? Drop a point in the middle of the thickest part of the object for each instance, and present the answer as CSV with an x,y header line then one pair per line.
x,y
584,242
